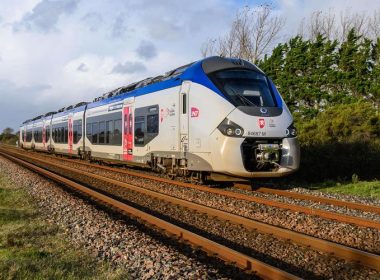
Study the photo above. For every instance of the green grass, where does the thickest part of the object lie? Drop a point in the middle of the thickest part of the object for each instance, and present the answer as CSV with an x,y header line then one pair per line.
x,y
360,188
30,248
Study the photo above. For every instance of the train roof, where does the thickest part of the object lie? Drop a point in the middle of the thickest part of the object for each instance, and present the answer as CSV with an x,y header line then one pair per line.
x,y
143,83
195,71
216,63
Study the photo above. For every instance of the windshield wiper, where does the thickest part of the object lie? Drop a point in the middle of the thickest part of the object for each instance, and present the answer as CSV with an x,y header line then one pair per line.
x,y
242,98
245,99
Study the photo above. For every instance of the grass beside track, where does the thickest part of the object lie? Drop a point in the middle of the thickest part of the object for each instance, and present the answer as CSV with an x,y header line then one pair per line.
x,y
31,248
361,188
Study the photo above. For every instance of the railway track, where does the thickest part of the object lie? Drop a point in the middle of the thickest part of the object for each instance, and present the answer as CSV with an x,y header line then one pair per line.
x,y
245,262
318,199
261,200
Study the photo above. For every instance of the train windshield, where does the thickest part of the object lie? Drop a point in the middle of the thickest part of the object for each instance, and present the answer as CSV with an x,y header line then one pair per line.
x,y
244,87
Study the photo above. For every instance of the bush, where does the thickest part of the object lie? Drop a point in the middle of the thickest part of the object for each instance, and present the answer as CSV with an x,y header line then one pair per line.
x,y
340,142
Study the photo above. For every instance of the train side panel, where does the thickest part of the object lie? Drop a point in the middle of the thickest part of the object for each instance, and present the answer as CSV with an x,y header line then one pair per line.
x,y
103,131
204,117
155,125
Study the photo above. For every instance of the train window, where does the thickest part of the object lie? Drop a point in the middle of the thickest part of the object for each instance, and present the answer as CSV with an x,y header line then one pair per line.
x,y
139,130
117,133
184,105
109,132
61,135
146,125
101,132
109,129
66,134
47,135
79,131
95,131
75,133
244,87
152,123
89,131
39,136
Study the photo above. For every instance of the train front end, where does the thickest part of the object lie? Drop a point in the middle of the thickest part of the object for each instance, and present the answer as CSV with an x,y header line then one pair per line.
x,y
257,138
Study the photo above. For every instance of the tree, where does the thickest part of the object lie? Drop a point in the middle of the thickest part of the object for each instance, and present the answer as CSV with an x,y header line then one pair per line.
x,y
8,131
7,136
334,27
374,24
251,35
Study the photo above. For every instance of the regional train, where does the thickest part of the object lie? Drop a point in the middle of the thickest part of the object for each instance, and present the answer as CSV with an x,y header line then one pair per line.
x,y
214,116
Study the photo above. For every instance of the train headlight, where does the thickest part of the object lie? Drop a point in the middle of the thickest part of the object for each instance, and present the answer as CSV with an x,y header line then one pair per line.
x,y
291,131
229,131
229,128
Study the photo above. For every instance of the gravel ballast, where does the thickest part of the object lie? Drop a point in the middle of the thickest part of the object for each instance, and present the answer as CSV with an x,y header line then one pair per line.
x,y
367,239
317,264
144,252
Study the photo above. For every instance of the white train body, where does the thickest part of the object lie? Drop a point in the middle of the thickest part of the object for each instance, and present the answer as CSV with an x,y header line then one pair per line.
x,y
214,116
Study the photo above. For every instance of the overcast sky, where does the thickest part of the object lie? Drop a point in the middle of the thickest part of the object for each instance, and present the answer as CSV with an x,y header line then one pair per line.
x,y
57,53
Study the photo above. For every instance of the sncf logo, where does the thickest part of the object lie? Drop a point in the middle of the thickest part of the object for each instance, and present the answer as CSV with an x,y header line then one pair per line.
x,y
194,112
261,123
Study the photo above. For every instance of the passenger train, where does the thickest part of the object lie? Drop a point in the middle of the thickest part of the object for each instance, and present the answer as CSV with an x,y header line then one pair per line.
x,y
214,116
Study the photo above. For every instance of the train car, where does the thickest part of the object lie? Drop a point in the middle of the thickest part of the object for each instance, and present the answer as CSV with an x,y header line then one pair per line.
x,y
59,132
26,137
214,116
46,131
39,137
103,130
76,130
67,130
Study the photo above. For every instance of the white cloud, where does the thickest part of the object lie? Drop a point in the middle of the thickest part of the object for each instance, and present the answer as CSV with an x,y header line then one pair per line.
x,y
146,50
45,15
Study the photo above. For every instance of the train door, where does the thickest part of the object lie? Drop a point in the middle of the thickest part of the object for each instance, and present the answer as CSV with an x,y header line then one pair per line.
x,y
184,118
128,132
70,134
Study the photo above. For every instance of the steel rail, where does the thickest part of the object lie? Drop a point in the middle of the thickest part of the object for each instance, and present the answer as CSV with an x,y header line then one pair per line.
x,y
341,251
273,203
222,252
319,199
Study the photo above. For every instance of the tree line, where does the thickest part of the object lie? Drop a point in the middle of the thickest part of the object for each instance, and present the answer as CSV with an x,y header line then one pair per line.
x,y
329,76
8,136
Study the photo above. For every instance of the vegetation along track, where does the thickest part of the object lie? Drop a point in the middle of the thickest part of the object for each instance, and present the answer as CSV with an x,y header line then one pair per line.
x,y
340,251
359,221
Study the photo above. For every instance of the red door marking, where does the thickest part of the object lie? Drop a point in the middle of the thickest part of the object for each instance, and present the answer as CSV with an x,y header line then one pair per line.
x,y
128,135
70,136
